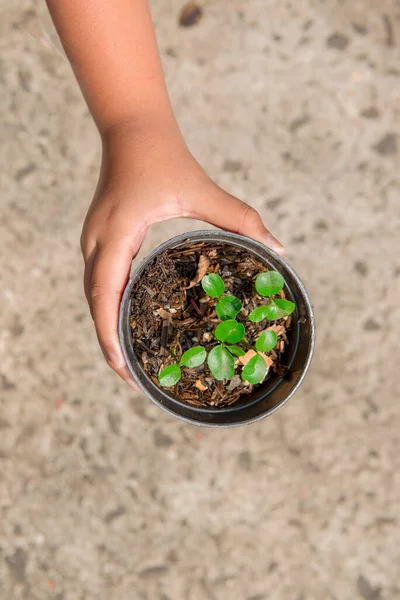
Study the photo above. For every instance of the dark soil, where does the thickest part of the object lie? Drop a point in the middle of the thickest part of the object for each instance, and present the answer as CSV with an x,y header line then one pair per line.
x,y
168,318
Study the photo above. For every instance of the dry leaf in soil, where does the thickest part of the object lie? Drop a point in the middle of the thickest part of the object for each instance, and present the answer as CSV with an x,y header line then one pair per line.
x,y
246,357
234,383
201,271
277,328
268,360
200,386
250,353
164,314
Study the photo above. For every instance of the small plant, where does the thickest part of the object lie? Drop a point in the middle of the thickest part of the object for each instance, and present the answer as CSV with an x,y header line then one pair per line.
x,y
230,332
267,285
194,357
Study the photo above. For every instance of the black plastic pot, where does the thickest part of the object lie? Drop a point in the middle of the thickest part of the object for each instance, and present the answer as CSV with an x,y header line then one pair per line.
x,y
271,395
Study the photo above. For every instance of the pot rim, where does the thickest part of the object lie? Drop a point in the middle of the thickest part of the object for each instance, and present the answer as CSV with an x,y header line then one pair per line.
x,y
217,236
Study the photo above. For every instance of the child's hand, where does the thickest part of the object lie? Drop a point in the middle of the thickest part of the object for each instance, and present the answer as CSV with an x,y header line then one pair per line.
x,y
147,176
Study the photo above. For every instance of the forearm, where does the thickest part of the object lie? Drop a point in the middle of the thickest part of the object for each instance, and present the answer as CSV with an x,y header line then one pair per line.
x,y
112,48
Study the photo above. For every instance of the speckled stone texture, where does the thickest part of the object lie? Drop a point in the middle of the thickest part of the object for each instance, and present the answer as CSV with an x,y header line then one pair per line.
x,y
294,106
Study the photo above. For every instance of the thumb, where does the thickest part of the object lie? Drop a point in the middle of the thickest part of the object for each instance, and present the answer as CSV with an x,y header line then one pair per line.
x,y
228,212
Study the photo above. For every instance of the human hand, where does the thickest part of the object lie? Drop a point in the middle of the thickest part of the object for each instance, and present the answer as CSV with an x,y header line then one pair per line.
x,y
148,175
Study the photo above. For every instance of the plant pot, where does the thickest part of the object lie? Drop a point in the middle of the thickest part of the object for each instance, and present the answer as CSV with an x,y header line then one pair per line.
x,y
270,395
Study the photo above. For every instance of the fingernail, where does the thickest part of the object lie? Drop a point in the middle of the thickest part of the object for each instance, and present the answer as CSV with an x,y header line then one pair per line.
x,y
273,243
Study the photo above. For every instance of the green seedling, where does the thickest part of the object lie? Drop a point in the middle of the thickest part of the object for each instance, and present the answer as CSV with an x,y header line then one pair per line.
x,y
194,357
230,332
267,285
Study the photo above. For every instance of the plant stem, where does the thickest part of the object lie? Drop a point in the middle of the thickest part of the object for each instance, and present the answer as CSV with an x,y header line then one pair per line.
x,y
246,343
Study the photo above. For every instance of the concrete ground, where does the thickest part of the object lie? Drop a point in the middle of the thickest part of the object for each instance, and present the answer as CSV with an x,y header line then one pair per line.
x,y
295,107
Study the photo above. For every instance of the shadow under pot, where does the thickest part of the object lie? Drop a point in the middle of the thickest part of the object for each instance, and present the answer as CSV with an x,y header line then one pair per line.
x,y
202,356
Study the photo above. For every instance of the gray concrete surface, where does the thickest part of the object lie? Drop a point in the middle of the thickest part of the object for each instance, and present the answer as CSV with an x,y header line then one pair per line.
x,y
295,107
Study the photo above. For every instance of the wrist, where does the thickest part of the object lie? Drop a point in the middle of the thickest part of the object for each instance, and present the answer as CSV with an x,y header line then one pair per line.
x,y
152,110
136,136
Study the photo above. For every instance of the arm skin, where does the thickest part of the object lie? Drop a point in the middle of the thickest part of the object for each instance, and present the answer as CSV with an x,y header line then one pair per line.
x,y
147,174
113,50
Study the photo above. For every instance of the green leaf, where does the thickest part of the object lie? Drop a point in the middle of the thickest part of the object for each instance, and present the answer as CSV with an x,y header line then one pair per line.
x,y
221,363
255,370
229,331
266,341
236,350
213,285
269,283
228,307
194,357
169,376
258,314
279,309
